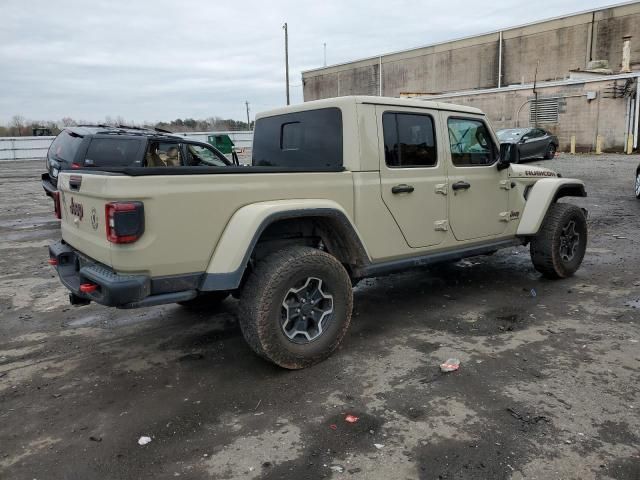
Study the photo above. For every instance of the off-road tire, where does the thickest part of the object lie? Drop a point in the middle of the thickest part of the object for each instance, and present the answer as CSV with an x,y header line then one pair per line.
x,y
551,152
546,245
261,305
205,301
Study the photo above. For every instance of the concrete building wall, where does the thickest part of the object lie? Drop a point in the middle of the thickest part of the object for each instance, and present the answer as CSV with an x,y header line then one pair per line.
x,y
586,119
560,45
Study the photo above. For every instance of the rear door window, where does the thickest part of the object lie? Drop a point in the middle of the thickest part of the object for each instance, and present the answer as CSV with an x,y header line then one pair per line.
x,y
113,152
310,139
163,154
409,140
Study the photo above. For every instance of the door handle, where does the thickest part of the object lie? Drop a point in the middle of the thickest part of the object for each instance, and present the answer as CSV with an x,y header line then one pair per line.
x,y
402,188
461,186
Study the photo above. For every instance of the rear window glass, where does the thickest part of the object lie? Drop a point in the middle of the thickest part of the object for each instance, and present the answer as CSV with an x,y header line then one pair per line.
x,y
65,146
309,139
113,152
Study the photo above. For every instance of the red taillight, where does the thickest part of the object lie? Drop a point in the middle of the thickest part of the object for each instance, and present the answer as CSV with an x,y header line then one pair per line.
x,y
88,287
75,166
124,221
53,261
56,204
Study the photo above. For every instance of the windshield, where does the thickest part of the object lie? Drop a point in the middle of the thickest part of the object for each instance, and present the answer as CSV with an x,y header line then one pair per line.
x,y
511,134
202,156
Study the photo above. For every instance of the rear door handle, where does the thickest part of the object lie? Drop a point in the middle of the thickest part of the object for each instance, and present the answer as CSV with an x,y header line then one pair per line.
x,y
402,188
461,186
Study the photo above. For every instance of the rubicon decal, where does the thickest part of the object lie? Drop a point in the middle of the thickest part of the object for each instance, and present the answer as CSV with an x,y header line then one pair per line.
x,y
539,173
76,209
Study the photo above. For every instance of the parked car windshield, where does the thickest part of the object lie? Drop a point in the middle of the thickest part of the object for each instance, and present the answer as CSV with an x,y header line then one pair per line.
x,y
198,155
511,134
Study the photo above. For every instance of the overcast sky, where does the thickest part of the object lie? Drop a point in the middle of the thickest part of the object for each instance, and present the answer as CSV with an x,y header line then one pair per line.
x,y
152,60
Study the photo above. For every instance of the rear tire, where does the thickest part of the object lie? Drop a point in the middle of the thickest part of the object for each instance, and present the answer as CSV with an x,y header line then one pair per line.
x,y
296,307
559,247
205,301
551,152
637,185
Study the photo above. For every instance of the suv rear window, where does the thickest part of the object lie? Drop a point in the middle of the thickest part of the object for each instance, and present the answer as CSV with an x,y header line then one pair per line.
x,y
114,152
311,139
65,146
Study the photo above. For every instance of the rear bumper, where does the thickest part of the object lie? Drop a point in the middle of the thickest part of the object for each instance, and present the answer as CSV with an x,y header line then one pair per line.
x,y
112,289
48,185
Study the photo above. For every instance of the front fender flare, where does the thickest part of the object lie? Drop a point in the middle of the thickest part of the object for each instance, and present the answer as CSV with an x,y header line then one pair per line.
x,y
231,255
543,193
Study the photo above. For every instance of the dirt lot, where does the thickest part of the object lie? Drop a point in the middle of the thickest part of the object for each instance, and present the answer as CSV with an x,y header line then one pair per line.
x,y
549,385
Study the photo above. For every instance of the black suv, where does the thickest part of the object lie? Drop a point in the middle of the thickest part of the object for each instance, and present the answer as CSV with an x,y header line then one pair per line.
x,y
104,147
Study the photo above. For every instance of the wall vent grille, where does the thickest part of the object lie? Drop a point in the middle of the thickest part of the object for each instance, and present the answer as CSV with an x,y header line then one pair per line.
x,y
545,110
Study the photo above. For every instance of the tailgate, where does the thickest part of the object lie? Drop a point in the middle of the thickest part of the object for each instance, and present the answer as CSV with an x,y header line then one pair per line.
x,y
83,215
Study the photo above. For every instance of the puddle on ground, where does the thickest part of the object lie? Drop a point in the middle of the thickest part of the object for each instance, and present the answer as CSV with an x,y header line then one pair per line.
x,y
632,303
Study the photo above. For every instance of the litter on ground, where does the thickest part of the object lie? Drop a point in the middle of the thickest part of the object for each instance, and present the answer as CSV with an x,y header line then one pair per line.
x,y
451,365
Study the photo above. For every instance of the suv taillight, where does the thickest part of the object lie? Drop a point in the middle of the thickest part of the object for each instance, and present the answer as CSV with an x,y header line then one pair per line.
x,y
56,204
124,221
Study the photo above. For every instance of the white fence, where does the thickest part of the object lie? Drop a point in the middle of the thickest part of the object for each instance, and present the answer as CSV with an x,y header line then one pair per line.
x,y
19,148
16,148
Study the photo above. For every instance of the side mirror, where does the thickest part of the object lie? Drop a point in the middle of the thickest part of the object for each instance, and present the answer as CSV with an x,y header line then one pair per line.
x,y
508,154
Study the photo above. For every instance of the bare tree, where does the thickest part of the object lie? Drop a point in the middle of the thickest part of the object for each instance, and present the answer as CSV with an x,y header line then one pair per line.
x,y
17,125
68,122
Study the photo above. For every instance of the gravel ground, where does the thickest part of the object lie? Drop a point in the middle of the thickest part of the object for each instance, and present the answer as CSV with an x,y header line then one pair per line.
x,y
548,387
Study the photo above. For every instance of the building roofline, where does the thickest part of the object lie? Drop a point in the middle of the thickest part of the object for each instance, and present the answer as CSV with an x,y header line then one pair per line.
x,y
528,86
492,32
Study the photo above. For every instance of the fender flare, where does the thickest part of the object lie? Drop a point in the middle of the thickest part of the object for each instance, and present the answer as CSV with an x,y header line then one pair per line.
x,y
238,240
543,193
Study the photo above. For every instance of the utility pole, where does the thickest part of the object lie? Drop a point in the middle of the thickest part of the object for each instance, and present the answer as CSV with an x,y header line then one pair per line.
x,y
286,57
248,121
325,54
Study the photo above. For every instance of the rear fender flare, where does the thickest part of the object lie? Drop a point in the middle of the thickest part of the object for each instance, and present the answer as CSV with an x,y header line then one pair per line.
x,y
543,193
233,251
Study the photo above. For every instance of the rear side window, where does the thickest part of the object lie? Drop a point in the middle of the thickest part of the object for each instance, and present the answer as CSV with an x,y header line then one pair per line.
x,y
311,139
163,154
65,146
113,152
471,144
409,140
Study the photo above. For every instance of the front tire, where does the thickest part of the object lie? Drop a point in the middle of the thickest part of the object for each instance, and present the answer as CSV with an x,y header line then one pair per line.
x,y
559,247
551,152
296,307
637,189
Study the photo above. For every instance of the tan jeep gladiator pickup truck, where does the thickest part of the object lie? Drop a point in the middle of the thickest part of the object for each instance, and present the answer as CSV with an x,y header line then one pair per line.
x,y
338,190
